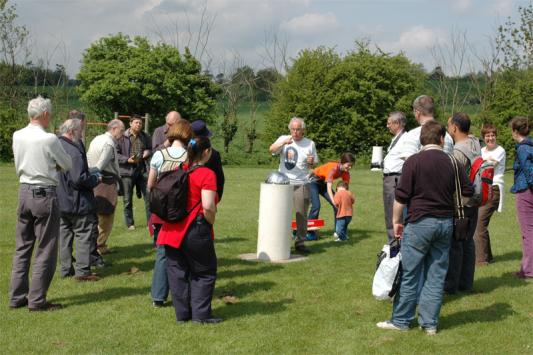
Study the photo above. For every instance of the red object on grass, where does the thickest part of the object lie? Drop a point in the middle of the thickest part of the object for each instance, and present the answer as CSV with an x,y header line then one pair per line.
x,y
312,224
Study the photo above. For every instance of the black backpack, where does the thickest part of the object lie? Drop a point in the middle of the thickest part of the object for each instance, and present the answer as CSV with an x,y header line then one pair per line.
x,y
168,198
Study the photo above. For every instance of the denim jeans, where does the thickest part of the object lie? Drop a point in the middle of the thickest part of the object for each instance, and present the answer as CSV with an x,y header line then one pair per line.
x,y
425,251
316,189
341,227
159,278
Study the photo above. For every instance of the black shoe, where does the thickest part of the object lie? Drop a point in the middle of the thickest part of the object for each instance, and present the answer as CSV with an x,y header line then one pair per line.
x,y
46,307
158,304
207,321
24,303
183,321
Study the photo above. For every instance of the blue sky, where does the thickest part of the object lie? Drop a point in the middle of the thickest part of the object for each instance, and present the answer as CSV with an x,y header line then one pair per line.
x,y
62,29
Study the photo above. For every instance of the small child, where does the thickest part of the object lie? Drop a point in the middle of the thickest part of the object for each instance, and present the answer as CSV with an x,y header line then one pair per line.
x,y
343,200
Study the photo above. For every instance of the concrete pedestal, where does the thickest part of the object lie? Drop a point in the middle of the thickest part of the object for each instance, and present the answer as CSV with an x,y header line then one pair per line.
x,y
275,216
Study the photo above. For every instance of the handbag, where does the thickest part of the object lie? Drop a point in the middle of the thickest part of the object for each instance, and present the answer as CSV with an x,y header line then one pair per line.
x,y
388,271
460,221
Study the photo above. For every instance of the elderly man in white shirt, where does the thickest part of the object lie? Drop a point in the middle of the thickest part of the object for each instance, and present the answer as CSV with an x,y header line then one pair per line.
x,y
392,167
102,156
38,157
297,156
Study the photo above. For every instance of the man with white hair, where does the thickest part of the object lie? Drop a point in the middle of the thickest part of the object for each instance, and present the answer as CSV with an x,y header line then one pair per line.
x,y
96,259
77,205
102,156
297,157
38,157
159,138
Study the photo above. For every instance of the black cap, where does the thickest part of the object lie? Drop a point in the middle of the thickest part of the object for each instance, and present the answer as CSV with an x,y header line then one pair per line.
x,y
200,129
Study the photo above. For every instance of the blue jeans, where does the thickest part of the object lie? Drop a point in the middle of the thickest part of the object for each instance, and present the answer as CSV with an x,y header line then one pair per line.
x,y
425,252
341,227
317,188
159,278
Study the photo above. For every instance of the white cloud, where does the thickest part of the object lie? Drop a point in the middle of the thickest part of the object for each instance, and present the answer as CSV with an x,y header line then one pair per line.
x,y
419,37
462,6
311,24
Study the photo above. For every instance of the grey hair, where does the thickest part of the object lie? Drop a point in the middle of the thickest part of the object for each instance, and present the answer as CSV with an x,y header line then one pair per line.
x,y
114,123
38,106
398,116
297,119
70,125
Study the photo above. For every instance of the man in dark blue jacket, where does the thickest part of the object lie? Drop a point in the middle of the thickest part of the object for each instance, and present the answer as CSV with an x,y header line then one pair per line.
x,y
77,206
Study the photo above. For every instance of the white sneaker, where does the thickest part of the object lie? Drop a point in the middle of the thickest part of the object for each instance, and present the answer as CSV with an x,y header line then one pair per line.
x,y
337,239
429,331
389,326
335,235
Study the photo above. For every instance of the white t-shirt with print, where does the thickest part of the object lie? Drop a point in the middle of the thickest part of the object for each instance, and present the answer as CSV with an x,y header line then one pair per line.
x,y
293,159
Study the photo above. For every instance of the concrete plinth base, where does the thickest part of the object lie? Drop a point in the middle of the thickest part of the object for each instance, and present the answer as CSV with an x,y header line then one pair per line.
x,y
253,257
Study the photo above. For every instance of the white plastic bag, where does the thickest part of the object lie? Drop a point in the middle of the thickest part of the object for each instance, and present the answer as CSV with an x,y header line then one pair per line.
x,y
387,272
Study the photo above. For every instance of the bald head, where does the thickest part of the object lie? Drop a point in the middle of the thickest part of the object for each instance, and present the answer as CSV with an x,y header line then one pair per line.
x,y
172,117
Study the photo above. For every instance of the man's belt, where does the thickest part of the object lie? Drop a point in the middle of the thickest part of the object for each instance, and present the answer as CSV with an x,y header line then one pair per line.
x,y
391,174
40,191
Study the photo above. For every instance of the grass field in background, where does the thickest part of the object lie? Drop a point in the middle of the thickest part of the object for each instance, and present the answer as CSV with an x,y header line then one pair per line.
x,y
320,305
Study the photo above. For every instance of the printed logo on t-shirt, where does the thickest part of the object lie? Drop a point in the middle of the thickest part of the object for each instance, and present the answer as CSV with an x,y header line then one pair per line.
x,y
291,157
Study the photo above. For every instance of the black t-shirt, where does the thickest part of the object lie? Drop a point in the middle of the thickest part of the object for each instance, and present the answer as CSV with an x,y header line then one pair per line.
x,y
427,185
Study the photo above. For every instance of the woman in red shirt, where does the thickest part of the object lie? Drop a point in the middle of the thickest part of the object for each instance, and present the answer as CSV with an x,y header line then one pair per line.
x,y
189,247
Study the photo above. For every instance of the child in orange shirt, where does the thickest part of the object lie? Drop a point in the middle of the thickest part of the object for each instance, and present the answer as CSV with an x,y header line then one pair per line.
x,y
344,201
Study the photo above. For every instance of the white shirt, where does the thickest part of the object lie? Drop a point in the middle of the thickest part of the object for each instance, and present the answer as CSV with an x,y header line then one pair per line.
x,y
293,159
393,163
37,155
498,155
102,154
411,143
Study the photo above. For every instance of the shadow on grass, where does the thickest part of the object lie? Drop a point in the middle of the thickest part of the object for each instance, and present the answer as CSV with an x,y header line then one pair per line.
x,y
493,313
513,255
355,235
250,308
240,290
244,267
108,294
489,284
229,240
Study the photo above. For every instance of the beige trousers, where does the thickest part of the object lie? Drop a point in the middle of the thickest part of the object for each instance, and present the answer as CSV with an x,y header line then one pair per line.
x,y
105,225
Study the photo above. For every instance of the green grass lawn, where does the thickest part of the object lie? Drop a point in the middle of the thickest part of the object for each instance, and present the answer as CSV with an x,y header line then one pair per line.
x,y
321,305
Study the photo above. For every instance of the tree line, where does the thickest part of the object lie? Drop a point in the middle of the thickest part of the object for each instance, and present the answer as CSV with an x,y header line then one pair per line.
x,y
345,98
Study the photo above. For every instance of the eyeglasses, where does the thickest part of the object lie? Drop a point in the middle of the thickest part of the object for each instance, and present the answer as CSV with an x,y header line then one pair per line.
x,y
296,129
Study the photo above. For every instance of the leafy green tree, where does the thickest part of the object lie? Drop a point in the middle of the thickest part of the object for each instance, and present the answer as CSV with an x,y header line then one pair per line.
x,y
512,92
344,100
13,40
133,76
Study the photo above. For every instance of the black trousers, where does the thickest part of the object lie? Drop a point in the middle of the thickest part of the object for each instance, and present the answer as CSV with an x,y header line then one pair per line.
x,y
192,271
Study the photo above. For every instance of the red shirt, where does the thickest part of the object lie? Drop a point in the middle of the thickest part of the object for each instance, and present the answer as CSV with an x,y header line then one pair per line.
x,y
172,234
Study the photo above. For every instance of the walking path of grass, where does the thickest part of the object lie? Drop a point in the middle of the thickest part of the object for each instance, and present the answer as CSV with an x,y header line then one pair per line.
x,y
321,305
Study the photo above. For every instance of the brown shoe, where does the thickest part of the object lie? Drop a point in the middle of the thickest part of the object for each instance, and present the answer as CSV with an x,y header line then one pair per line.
x,y
46,307
87,278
